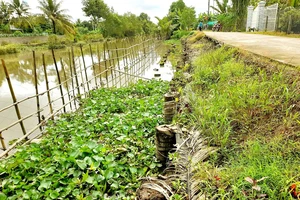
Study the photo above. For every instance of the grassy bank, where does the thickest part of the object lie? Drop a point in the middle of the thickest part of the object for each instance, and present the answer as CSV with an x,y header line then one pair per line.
x,y
250,111
99,152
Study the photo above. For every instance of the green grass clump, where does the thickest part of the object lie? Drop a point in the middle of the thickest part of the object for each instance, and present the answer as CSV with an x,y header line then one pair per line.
x,y
98,152
9,49
251,113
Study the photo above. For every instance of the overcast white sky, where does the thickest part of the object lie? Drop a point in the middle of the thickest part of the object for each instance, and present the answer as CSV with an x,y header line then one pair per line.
x,y
153,8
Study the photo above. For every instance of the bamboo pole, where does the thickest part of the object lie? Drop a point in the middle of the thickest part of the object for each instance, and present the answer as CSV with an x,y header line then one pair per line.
x,y
75,73
65,76
2,142
117,54
99,63
13,97
110,64
93,63
84,66
72,81
59,81
82,79
36,89
47,85
105,63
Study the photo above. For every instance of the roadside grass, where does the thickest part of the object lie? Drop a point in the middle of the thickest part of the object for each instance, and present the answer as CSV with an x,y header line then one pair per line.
x,y
99,152
251,113
272,33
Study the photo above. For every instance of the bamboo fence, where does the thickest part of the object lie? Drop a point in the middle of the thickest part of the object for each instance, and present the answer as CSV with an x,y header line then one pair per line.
x,y
117,64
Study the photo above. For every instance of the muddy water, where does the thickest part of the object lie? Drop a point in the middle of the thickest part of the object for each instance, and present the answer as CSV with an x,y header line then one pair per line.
x,y
20,68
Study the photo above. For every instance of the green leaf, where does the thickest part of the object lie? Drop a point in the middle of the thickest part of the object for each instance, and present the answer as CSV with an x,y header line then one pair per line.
x,y
54,194
81,164
133,170
45,184
90,180
2,196
108,174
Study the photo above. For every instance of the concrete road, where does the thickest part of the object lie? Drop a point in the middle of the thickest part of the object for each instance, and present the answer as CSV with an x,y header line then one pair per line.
x,y
282,49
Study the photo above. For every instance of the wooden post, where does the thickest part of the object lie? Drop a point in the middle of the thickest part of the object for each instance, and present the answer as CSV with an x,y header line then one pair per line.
x,y
71,71
59,81
13,98
84,66
165,141
36,90
99,64
65,76
94,71
75,73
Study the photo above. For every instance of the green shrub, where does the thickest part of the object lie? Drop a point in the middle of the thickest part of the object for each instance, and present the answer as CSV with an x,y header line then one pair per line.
x,y
4,43
18,33
180,33
9,49
94,37
55,43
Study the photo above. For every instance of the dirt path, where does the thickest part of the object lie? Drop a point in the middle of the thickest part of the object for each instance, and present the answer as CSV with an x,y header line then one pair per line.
x,y
282,49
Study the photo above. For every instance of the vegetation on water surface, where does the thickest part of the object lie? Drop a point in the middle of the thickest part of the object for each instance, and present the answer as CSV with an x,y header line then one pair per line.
x,y
98,152
249,108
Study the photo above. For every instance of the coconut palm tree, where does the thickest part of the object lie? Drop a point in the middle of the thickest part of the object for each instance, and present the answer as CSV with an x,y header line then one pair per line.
x,y
20,13
19,8
222,7
5,12
54,13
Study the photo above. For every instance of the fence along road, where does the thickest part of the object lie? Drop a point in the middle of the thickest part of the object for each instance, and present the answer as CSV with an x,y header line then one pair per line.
x,y
283,49
113,64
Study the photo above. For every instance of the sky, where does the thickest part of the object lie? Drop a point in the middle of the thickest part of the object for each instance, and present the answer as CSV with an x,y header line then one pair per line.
x,y
153,8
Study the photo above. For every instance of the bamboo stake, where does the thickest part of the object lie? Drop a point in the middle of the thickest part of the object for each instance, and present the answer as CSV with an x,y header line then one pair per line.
x,y
2,142
99,63
75,73
84,66
47,85
117,53
36,90
110,64
13,97
59,81
72,81
105,63
82,79
65,76
94,71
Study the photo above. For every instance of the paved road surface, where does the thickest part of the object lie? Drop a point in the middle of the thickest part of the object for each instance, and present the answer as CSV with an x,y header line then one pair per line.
x,y
282,49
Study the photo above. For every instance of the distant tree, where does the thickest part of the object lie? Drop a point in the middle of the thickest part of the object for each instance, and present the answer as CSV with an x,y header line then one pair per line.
x,y
147,25
176,6
96,10
239,8
53,12
187,18
164,27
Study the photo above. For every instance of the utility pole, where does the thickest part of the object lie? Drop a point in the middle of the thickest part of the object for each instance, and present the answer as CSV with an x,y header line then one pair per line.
x,y
208,7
